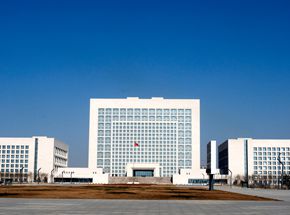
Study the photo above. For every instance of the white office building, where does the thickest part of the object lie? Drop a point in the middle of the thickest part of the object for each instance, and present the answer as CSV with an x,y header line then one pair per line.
x,y
26,159
144,137
254,160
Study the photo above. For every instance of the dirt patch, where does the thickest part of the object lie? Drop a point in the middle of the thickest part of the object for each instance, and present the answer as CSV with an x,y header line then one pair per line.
x,y
152,192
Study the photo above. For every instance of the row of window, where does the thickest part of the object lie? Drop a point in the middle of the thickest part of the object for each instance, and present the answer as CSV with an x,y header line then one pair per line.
x,y
128,138
270,167
270,172
13,156
14,165
272,153
14,161
134,137
138,111
270,163
142,145
147,125
272,149
107,140
271,158
144,118
146,140
147,134
143,125
157,130
60,151
141,150
60,160
161,162
153,144
14,146
14,151
13,170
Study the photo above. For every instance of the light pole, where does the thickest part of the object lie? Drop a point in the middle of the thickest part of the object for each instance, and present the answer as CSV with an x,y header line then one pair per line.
x,y
51,176
231,178
71,176
279,159
21,174
38,180
62,177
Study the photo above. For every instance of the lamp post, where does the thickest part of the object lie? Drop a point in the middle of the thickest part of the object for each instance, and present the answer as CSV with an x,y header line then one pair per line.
x,y
62,177
21,174
71,176
38,180
282,174
51,176
231,178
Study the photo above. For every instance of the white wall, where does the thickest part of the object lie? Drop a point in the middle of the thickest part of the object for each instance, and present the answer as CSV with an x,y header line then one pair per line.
x,y
45,155
185,174
236,156
96,174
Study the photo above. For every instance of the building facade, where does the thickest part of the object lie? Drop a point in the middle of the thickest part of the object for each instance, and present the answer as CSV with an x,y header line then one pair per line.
x,y
157,131
26,159
254,160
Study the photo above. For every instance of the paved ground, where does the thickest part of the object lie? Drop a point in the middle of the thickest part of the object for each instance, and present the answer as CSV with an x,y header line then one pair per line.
x,y
283,195
179,207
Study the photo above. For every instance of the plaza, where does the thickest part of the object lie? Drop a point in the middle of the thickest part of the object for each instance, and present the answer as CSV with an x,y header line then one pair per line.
x,y
152,207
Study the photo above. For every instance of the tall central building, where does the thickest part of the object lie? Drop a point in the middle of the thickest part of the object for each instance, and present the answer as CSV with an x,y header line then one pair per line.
x,y
161,135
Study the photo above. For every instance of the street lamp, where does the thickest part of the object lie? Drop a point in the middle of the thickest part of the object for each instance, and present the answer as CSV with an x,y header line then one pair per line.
x,y
231,183
51,176
38,175
279,159
71,176
202,178
230,176
21,174
62,176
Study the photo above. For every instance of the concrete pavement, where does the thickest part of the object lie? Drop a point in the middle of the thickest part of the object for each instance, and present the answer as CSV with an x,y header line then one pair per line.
x,y
153,207
160,207
283,195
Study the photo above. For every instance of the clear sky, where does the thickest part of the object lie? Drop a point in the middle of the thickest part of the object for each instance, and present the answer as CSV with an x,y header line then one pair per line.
x,y
56,55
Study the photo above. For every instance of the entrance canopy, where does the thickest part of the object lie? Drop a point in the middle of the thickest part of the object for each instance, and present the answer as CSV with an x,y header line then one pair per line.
x,y
143,170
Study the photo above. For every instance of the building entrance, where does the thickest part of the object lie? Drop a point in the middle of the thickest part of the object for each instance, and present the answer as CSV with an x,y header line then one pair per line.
x,y
143,173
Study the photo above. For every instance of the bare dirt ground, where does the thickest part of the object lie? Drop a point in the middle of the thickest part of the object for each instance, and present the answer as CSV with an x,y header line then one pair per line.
x,y
149,192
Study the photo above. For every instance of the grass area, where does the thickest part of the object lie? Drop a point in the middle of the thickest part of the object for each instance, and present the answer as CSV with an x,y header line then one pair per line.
x,y
150,192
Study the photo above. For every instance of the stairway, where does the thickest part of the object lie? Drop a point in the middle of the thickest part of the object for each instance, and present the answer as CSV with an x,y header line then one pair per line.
x,y
140,180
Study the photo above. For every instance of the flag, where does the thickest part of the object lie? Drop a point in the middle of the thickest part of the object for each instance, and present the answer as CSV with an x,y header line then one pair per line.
x,y
136,144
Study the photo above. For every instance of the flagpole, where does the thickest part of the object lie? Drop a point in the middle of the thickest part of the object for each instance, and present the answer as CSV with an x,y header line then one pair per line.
x,y
135,145
133,162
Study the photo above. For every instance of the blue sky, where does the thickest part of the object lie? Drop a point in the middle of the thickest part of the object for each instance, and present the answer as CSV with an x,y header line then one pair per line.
x,y
233,55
